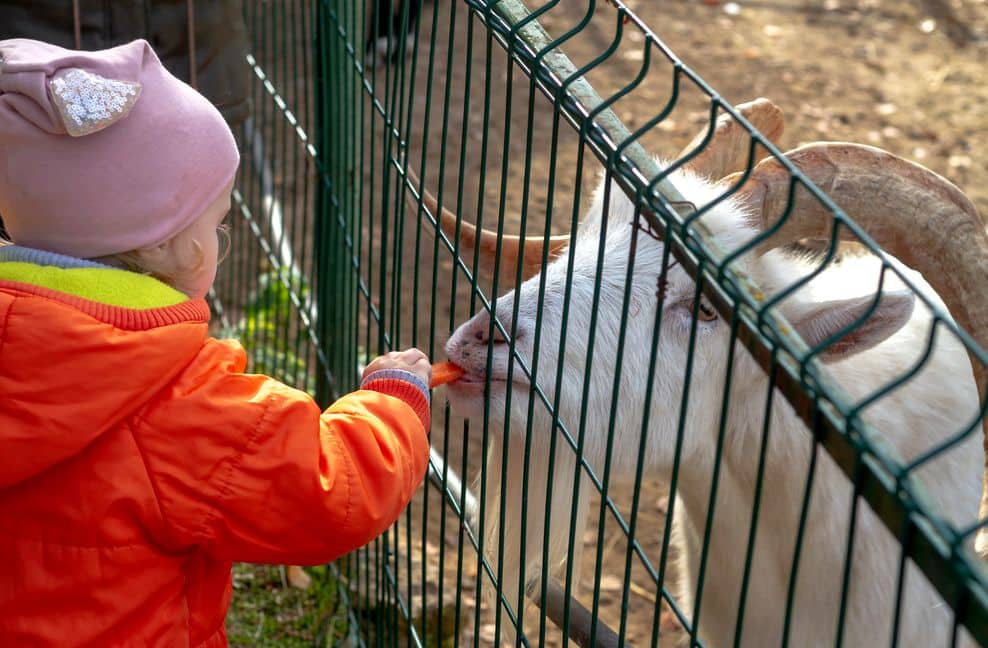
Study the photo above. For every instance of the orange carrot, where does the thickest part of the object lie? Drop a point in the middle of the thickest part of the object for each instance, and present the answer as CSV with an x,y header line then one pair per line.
x,y
445,372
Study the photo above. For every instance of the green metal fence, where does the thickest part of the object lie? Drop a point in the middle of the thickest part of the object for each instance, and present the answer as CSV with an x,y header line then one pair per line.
x,y
572,527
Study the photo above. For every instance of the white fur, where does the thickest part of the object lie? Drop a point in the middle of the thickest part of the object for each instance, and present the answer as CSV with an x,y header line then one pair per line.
x,y
930,408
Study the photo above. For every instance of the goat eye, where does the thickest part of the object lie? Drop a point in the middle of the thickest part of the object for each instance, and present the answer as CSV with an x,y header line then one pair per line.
x,y
705,312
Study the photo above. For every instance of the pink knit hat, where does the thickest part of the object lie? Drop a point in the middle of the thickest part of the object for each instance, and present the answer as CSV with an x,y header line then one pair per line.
x,y
104,152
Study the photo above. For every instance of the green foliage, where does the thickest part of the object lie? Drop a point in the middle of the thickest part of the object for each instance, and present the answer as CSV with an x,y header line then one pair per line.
x,y
269,329
266,612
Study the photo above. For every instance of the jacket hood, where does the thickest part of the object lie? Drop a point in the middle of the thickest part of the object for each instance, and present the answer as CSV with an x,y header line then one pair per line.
x,y
82,349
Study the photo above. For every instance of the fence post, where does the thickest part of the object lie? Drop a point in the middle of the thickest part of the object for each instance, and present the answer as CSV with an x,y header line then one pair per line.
x,y
337,102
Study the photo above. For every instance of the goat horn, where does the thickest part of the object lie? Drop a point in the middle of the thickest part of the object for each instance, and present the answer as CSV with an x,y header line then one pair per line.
x,y
729,145
918,216
486,242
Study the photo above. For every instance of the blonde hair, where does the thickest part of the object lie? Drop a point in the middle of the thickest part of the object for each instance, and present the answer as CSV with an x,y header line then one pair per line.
x,y
170,270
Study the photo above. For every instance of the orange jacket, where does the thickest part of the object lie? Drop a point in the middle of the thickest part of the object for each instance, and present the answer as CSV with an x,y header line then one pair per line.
x,y
138,461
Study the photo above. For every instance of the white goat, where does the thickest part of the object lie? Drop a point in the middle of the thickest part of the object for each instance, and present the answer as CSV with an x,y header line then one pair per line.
x,y
892,199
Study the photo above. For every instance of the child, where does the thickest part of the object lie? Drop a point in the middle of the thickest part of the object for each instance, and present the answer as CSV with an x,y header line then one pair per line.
x,y
137,460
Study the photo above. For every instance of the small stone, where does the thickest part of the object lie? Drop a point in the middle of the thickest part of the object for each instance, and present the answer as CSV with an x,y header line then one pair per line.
x,y
959,161
732,8
919,153
772,30
298,578
886,108
928,26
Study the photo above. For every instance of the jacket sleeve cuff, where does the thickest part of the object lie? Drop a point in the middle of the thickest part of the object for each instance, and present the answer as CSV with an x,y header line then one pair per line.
x,y
404,385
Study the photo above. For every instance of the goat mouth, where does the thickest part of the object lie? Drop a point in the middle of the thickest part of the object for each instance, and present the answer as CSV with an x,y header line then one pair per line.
x,y
472,379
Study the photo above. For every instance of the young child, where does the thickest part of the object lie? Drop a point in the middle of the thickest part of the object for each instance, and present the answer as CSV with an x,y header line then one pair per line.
x,y
137,460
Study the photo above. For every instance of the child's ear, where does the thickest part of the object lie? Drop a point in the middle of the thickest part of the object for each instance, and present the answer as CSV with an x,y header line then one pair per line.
x,y
175,257
157,260
818,322
154,256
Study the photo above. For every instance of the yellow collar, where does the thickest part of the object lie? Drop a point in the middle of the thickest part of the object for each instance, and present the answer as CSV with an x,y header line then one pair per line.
x,y
99,284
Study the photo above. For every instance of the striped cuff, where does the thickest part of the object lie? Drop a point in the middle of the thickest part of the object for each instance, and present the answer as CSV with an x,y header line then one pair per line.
x,y
404,385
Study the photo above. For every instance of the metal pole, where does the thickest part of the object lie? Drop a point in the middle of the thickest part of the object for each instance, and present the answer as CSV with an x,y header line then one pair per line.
x,y
580,619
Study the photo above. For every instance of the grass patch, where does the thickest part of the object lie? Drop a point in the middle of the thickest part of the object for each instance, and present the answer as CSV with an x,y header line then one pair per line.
x,y
265,611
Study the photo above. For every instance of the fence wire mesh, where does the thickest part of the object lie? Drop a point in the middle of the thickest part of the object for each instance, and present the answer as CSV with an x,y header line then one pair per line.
x,y
672,435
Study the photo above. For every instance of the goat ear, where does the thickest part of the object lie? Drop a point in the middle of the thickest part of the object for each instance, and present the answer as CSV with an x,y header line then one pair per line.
x,y
821,321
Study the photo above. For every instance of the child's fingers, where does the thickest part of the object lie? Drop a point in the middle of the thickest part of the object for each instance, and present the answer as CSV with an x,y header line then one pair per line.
x,y
413,356
412,360
417,362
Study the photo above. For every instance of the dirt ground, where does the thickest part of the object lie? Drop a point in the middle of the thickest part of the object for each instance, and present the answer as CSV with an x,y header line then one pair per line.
x,y
910,77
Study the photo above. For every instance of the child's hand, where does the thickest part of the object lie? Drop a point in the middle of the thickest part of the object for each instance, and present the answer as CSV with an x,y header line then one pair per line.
x,y
411,360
